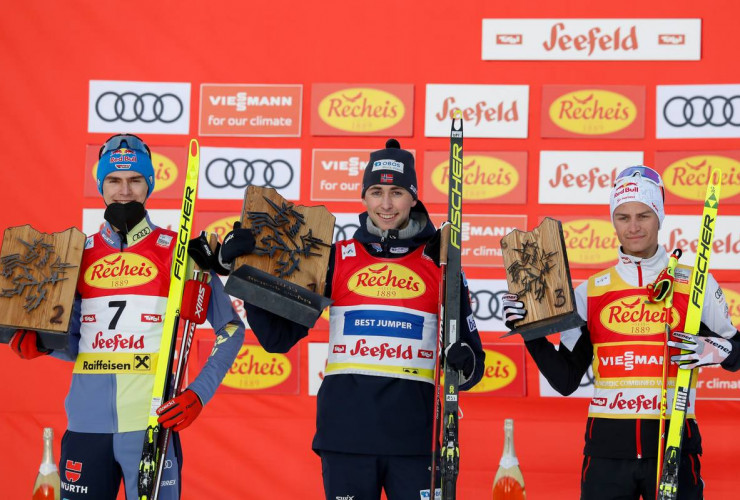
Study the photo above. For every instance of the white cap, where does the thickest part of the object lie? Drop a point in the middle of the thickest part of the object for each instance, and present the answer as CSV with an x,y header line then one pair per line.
x,y
637,188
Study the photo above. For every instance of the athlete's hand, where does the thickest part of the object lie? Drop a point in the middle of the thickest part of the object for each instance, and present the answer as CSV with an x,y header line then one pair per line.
x,y
514,309
200,251
460,357
432,247
704,350
206,258
181,411
27,344
238,242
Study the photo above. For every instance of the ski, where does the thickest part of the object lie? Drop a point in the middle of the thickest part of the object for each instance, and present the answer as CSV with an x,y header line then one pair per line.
x,y
152,451
668,486
450,323
193,310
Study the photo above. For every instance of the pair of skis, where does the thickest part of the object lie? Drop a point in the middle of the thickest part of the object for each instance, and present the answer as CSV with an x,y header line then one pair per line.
x,y
187,300
449,327
668,483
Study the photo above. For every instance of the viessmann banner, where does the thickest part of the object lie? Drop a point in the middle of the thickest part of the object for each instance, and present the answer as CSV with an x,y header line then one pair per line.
x,y
249,110
591,39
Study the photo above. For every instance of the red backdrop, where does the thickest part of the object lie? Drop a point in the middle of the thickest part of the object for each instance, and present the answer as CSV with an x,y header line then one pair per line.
x,y
258,446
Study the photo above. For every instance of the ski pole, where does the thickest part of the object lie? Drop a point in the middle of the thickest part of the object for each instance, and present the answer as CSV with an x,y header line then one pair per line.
x,y
662,289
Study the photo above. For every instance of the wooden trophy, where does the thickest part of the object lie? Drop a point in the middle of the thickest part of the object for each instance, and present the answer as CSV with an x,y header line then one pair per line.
x,y
286,273
537,271
38,279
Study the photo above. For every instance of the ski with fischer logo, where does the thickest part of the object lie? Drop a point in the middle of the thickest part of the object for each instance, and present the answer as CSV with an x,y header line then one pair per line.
x,y
668,485
153,453
450,327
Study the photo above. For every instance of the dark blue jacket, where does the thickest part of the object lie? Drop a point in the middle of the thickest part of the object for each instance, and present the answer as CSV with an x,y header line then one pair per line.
x,y
371,414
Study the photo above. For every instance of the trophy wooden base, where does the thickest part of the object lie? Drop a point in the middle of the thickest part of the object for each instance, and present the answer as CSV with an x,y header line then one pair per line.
x,y
548,326
278,296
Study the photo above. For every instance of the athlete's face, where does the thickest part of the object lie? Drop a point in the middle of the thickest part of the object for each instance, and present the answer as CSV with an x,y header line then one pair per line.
x,y
388,206
637,229
123,187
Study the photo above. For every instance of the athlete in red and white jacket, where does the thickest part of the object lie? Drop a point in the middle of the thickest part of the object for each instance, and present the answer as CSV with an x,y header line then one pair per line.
x,y
623,341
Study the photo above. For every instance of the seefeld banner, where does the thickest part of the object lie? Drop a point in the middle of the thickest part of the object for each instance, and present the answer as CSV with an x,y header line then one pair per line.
x,y
591,39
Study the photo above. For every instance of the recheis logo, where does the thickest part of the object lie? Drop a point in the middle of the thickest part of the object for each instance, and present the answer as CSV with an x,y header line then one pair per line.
x,y
590,241
687,178
387,280
500,371
593,112
120,270
633,315
361,109
255,369
484,177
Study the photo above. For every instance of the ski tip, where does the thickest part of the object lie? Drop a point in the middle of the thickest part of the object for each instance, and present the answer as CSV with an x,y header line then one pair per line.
x,y
193,149
716,176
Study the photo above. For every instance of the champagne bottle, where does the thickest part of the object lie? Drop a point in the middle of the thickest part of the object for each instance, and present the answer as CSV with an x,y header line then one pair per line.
x,y
508,483
47,480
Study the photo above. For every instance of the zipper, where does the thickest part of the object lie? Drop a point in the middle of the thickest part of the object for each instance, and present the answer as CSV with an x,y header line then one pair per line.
x,y
638,437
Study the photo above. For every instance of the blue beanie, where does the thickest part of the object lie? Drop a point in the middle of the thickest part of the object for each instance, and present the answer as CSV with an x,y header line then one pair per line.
x,y
125,159
392,165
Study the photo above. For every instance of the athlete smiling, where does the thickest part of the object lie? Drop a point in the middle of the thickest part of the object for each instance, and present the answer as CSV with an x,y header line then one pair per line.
x,y
375,405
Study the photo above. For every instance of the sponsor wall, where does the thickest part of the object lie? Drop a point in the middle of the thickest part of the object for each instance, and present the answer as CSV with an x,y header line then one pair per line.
x,y
553,108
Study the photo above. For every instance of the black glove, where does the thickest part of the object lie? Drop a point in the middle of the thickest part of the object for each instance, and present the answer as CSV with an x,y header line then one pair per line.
x,y
431,249
238,242
460,357
513,310
200,251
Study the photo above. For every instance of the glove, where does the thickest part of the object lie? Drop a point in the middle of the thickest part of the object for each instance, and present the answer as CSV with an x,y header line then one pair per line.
x,y
27,344
181,411
432,247
238,242
200,251
460,357
704,350
513,310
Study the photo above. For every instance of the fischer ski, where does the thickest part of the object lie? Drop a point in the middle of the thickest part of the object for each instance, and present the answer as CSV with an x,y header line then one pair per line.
x,y
450,253
668,485
153,452
193,310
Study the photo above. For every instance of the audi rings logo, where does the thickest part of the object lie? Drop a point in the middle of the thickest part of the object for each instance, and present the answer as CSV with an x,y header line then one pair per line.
x,y
146,107
344,232
240,173
487,305
700,111
588,378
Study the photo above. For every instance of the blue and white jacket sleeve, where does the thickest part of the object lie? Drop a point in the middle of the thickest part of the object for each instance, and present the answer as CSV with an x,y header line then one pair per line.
x,y
229,330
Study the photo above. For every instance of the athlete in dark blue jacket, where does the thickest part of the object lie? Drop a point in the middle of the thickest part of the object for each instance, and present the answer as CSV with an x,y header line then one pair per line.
x,y
375,405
